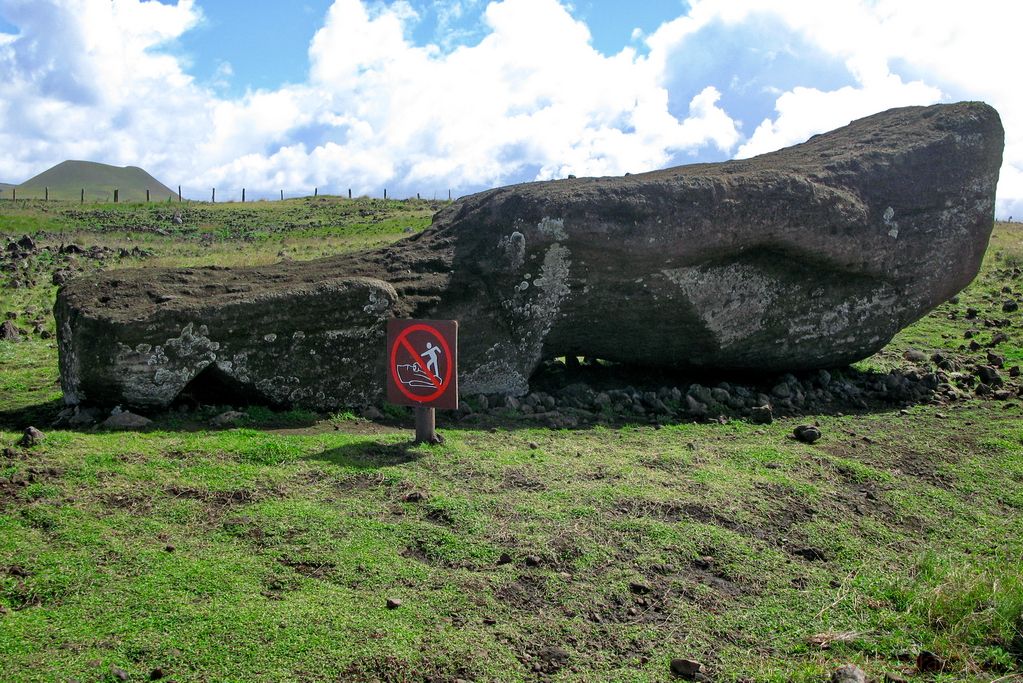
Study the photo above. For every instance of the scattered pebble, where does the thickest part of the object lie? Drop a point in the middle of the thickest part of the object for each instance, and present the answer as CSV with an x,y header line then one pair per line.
x,y
928,662
685,668
532,560
393,603
705,562
849,673
807,433
915,356
761,415
31,437
9,331
125,419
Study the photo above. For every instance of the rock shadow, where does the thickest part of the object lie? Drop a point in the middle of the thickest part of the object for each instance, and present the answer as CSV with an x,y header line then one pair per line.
x,y
370,454
39,415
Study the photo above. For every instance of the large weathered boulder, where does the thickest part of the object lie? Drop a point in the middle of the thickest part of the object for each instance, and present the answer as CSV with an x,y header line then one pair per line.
x,y
812,256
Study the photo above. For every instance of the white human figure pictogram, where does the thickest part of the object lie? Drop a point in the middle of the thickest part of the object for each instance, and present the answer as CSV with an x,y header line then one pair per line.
x,y
430,355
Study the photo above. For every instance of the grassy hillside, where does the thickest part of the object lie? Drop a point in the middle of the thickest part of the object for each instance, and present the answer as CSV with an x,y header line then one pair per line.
x,y
67,179
269,549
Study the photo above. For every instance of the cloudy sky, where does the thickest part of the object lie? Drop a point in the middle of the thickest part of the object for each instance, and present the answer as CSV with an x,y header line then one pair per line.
x,y
426,96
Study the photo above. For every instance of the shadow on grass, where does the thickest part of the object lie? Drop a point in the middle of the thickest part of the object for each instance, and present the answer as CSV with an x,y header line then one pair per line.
x,y
44,415
40,415
371,454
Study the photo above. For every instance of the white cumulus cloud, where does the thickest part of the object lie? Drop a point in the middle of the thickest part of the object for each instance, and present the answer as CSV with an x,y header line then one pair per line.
x,y
896,52
527,97
531,100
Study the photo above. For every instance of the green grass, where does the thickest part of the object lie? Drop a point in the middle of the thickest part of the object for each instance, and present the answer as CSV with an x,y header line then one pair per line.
x,y
268,551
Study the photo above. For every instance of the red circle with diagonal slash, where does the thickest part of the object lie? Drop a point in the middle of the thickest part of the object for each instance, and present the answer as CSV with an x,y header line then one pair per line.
x,y
402,341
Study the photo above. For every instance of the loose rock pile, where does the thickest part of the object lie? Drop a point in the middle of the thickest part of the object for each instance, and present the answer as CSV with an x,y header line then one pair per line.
x,y
940,379
26,262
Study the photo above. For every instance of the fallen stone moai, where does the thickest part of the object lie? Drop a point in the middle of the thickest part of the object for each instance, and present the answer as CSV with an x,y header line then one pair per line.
x,y
811,256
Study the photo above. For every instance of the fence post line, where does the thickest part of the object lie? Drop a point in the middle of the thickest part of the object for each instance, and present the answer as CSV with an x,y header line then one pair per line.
x,y
46,194
14,194
213,199
449,195
316,191
385,193
179,193
282,195
83,195
115,195
147,195
349,193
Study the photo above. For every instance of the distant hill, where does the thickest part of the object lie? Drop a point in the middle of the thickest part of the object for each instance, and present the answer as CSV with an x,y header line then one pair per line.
x,y
67,179
4,190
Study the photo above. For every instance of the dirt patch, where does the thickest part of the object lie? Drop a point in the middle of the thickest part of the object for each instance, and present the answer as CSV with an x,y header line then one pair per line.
x,y
388,668
922,467
220,499
349,482
313,570
441,516
671,511
525,593
8,493
11,487
218,503
358,427
715,580
854,498
523,479
277,584
129,501
423,552
544,659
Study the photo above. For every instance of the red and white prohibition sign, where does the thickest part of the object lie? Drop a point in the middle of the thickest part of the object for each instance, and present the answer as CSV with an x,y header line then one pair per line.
x,y
422,363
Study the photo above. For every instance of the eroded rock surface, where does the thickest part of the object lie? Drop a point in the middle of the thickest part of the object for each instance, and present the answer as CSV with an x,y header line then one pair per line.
x,y
812,256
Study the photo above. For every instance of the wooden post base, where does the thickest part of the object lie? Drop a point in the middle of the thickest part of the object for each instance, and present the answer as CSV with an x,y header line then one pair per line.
x,y
426,426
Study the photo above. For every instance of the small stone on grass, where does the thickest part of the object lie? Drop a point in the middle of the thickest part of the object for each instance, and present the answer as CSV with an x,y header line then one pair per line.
x,y
125,419
685,668
849,673
807,433
31,437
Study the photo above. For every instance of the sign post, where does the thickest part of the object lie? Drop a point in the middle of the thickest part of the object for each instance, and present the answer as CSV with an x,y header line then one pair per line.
x,y
422,370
